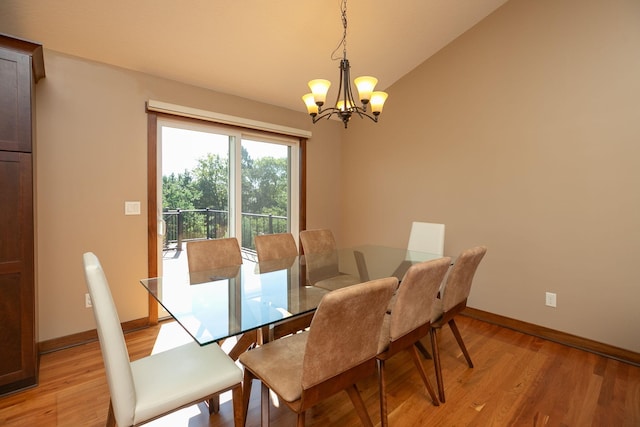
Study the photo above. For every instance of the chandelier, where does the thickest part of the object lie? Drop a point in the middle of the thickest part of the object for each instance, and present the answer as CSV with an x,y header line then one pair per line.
x,y
345,105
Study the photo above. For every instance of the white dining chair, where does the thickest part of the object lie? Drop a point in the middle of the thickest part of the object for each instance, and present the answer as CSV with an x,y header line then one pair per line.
x,y
156,385
426,237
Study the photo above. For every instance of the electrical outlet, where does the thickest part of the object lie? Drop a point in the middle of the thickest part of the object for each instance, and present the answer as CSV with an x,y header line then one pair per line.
x,y
87,301
550,300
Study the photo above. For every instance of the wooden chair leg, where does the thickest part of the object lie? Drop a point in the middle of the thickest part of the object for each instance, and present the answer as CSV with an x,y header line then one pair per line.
x,y
111,419
301,419
384,420
456,334
238,407
416,360
423,350
436,363
246,392
214,404
264,404
358,403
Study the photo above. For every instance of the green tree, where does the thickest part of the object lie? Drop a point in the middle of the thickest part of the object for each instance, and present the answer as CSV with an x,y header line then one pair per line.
x,y
264,190
265,187
179,192
212,181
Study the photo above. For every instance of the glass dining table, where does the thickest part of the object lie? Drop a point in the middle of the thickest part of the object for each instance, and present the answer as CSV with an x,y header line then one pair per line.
x,y
222,303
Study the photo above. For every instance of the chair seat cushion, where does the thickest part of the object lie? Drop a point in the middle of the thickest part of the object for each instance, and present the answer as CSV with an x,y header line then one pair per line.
x,y
278,365
195,372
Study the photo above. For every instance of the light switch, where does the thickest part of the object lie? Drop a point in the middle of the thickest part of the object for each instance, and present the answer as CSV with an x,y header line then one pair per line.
x,y
132,208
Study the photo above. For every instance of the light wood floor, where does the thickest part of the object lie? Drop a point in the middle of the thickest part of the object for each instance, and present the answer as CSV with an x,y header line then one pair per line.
x,y
518,380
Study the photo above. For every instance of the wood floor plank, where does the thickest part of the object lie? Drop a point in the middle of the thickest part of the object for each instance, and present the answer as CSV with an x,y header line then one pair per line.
x,y
517,380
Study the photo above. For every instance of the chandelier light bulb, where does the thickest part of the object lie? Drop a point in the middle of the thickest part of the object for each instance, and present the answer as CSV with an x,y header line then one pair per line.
x,y
377,102
310,102
319,89
340,105
365,85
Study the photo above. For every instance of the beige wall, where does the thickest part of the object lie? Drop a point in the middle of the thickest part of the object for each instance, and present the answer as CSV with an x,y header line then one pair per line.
x,y
92,156
524,135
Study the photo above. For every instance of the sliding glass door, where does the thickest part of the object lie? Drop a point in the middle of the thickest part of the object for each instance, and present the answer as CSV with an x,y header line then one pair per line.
x,y
215,182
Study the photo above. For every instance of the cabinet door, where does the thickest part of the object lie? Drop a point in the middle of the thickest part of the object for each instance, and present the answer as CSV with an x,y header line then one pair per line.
x,y
15,101
17,305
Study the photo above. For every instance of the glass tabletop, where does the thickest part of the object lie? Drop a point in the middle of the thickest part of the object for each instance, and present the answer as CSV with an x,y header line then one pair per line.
x,y
220,303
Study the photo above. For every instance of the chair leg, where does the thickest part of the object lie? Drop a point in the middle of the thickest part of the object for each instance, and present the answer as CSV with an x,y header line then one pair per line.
x,y
456,333
264,404
416,360
214,404
423,350
238,407
358,403
246,392
301,419
111,419
384,420
436,363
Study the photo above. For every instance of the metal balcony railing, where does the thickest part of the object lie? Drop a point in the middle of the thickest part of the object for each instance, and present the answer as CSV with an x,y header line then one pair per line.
x,y
183,225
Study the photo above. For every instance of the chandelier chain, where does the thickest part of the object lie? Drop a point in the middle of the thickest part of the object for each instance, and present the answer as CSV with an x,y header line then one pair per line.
x,y
343,42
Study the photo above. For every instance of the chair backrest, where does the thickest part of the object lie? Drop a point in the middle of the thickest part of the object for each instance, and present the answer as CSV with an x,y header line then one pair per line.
x,y
213,253
317,241
320,252
427,237
415,296
275,246
458,285
114,348
345,329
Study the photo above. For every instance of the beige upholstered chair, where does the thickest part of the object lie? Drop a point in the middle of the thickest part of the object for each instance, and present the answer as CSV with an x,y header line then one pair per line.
x,y
305,368
317,241
213,253
275,246
409,320
321,260
453,299
277,252
156,385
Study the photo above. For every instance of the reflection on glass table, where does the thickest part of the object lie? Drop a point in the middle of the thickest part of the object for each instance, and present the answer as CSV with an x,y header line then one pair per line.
x,y
221,303
332,270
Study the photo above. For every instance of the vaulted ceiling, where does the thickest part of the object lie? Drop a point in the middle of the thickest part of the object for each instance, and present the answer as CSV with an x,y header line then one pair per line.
x,y
265,50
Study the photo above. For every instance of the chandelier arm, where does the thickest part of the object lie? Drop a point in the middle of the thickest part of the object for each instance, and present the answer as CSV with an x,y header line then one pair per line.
x,y
363,113
328,112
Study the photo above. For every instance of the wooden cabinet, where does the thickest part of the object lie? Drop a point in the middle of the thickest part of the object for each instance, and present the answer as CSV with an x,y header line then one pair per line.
x,y
21,66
